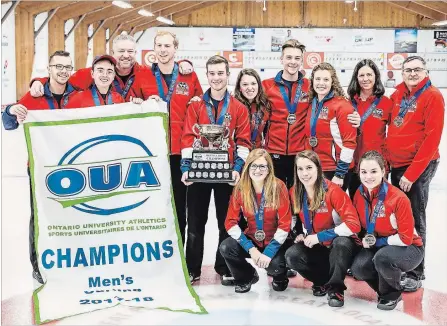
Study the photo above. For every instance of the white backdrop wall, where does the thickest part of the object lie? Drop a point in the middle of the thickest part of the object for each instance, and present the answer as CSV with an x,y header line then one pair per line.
x,y
8,62
41,55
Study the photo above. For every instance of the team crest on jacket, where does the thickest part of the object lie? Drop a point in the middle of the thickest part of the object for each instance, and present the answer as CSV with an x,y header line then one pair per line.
x,y
378,113
381,211
323,207
324,114
304,97
182,89
412,108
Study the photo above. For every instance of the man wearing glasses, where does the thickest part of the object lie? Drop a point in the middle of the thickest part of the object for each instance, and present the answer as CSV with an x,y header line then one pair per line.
x,y
412,143
56,93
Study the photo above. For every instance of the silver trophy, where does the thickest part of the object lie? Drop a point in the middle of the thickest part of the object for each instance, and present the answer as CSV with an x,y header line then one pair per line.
x,y
208,161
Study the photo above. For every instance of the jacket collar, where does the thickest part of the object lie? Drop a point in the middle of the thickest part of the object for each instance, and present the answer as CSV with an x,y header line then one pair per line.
x,y
278,77
47,92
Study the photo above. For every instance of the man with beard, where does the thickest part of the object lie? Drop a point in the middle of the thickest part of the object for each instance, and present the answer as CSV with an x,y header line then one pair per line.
x,y
57,91
216,107
165,83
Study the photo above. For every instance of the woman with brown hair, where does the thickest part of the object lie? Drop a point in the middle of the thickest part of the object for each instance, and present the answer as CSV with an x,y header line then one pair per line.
x,y
265,204
328,131
325,248
249,92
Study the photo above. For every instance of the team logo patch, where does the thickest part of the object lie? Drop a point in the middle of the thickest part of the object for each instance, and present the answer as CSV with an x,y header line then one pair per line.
x,y
381,211
412,108
322,208
182,89
324,114
378,113
304,97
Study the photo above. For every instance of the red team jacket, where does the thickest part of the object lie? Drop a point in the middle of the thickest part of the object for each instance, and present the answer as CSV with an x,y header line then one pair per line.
x,y
257,138
415,143
84,99
336,215
283,138
239,127
336,136
276,221
373,130
186,87
395,221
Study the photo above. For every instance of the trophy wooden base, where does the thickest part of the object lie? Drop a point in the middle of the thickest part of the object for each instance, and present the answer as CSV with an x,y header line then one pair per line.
x,y
210,166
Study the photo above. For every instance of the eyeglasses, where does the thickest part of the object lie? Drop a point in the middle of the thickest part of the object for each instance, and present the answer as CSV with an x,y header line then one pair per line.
x,y
61,67
262,167
416,70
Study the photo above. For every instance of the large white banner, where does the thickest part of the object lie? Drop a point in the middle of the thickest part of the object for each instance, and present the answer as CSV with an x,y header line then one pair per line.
x,y
105,221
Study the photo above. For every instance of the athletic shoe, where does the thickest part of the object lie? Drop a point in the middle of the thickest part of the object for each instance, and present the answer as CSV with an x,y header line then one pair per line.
x,y
280,285
291,273
388,304
336,299
349,272
193,278
227,280
319,291
245,287
410,285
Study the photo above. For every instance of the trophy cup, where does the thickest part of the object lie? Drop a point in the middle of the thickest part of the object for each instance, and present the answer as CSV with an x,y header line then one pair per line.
x,y
210,164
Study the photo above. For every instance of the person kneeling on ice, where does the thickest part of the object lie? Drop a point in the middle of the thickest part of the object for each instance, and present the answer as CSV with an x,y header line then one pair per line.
x,y
265,204
324,252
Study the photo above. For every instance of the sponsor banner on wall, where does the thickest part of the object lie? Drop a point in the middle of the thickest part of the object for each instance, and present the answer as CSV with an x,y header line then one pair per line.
x,y
395,60
435,61
198,58
263,60
440,41
341,60
279,36
311,59
235,58
405,40
363,39
244,39
148,57
106,230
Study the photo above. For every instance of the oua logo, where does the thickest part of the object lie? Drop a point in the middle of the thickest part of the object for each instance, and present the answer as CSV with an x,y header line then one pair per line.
x,y
76,184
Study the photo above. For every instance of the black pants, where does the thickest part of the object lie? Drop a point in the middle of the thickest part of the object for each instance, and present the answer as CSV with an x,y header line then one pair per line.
x,y
284,166
330,174
198,201
354,184
322,265
242,271
381,268
179,190
32,243
418,196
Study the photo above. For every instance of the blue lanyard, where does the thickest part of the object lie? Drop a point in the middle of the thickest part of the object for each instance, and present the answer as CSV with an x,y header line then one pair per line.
x,y
371,220
307,220
209,108
259,213
158,78
129,84
258,119
50,99
291,107
94,91
316,109
368,112
406,104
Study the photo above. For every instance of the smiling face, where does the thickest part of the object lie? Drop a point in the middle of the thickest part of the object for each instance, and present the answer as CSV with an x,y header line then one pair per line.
x,y
366,78
322,82
259,170
371,174
124,52
307,172
249,87
103,74
61,76
413,72
217,76
164,48
291,60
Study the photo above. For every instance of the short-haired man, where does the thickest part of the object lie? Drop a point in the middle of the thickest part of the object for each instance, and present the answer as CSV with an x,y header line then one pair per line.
x,y
166,83
216,107
57,91
412,145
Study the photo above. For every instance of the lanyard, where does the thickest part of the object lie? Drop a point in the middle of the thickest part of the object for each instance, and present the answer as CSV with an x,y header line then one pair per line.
x,y
291,107
127,87
307,220
158,78
94,91
258,119
50,99
316,109
259,213
371,220
406,104
209,108
368,112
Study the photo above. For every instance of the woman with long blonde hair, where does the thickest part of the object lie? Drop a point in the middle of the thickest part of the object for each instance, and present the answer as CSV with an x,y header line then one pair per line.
x,y
264,202
326,246
328,131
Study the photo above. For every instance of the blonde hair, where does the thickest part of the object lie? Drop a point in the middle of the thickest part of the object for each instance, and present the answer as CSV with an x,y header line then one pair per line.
x,y
164,33
335,87
292,43
245,189
298,187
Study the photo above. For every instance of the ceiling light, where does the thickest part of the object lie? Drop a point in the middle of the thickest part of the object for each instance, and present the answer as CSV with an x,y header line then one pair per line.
x,y
145,13
164,20
122,4
349,1
440,23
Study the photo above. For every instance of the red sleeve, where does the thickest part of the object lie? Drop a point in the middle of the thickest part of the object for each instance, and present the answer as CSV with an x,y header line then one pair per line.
x,y
404,219
434,123
31,103
82,78
43,80
76,101
233,215
342,204
197,87
242,129
188,136
284,209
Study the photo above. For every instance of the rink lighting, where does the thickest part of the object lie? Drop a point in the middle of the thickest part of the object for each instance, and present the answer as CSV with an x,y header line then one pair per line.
x,y
145,13
440,23
349,1
122,4
165,20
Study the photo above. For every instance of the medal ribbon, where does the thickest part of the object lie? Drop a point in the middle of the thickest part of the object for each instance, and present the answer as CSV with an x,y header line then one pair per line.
x,y
291,107
209,108
258,120
94,91
316,109
50,99
259,213
406,104
307,222
158,78
368,112
371,219
129,84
